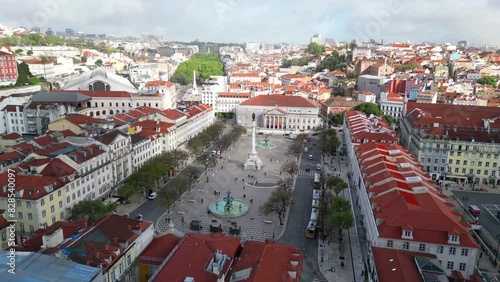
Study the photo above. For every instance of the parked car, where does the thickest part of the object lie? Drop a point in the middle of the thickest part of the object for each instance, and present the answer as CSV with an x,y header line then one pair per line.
x,y
152,196
308,169
318,167
310,157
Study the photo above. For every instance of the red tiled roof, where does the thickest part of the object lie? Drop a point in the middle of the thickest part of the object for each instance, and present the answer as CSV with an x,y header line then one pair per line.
x,y
104,94
35,243
11,157
44,141
159,248
193,254
111,231
164,127
85,153
159,83
12,136
397,265
108,137
79,119
172,114
30,186
280,101
13,108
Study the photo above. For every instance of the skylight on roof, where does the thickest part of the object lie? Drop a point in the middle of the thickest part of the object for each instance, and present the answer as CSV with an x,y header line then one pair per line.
x,y
394,152
413,179
404,165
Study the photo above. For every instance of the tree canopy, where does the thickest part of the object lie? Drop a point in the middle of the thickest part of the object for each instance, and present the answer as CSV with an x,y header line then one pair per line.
x,y
90,210
369,109
204,64
488,80
297,62
332,62
403,68
277,203
315,49
390,119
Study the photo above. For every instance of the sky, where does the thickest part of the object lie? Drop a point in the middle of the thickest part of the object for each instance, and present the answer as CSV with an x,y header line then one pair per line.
x,y
271,21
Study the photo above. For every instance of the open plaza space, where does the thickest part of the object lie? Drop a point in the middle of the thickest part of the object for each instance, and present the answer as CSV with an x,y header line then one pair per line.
x,y
253,188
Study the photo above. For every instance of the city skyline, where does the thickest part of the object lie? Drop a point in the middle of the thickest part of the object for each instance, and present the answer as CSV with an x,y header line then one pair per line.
x,y
268,21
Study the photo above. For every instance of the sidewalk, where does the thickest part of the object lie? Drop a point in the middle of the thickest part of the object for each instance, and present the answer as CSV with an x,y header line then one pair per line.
x,y
329,254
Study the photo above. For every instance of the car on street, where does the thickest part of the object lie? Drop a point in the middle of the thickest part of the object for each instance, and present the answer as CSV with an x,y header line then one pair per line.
x,y
318,167
310,157
308,169
152,196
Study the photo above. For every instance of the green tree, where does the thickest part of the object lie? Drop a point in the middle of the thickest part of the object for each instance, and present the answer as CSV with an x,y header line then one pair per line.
x,y
178,157
410,66
155,170
336,184
341,215
166,198
192,175
90,210
126,191
143,181
98,62
204,64
206,160
180,184
337,119
19,51
332,62
24,74
29,52
315,49
353,44
84,59
488,80
369,109
278,203
390,119
291,167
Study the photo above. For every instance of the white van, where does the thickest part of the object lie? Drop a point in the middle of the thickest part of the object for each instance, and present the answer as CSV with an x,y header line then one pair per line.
x,y
318,167
448,184
310,157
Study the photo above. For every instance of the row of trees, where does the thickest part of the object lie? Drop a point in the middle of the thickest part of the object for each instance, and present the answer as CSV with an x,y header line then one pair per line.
x,y
281,198
328,141
208,135
488,80
204,64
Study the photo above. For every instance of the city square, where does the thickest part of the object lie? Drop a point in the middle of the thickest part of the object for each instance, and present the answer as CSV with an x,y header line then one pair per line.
x,y
250,186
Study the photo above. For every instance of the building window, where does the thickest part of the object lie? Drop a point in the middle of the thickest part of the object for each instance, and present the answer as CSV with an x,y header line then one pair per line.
x,y
465,252
454,238
440,249
44,214
421,248
462,266
406,246
129,260
453,251
390,243
449,265
407,233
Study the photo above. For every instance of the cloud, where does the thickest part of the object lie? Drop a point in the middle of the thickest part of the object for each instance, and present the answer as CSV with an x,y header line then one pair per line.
x,y
267,20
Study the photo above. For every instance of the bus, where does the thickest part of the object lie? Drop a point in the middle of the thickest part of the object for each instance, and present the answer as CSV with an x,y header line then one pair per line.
x,y
317,183
313,222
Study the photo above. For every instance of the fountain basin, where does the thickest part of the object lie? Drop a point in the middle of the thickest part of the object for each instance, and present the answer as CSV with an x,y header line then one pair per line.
x,y
218,208
266,145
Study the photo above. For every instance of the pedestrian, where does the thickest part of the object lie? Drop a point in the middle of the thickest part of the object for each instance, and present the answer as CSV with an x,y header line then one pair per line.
x,y
202,200
280,172
342,264
244,196
243,187
251,201
265,173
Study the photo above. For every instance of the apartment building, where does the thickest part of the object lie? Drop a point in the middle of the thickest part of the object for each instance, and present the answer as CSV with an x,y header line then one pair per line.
x,y
458,143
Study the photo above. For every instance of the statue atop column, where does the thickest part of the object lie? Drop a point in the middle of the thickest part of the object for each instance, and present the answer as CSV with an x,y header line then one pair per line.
x,y
253,162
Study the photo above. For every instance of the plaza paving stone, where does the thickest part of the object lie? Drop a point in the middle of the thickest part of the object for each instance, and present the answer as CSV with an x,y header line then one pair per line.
x,y
228,175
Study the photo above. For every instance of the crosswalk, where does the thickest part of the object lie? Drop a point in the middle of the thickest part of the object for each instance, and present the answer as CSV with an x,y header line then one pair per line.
x,y
319,278
306,173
